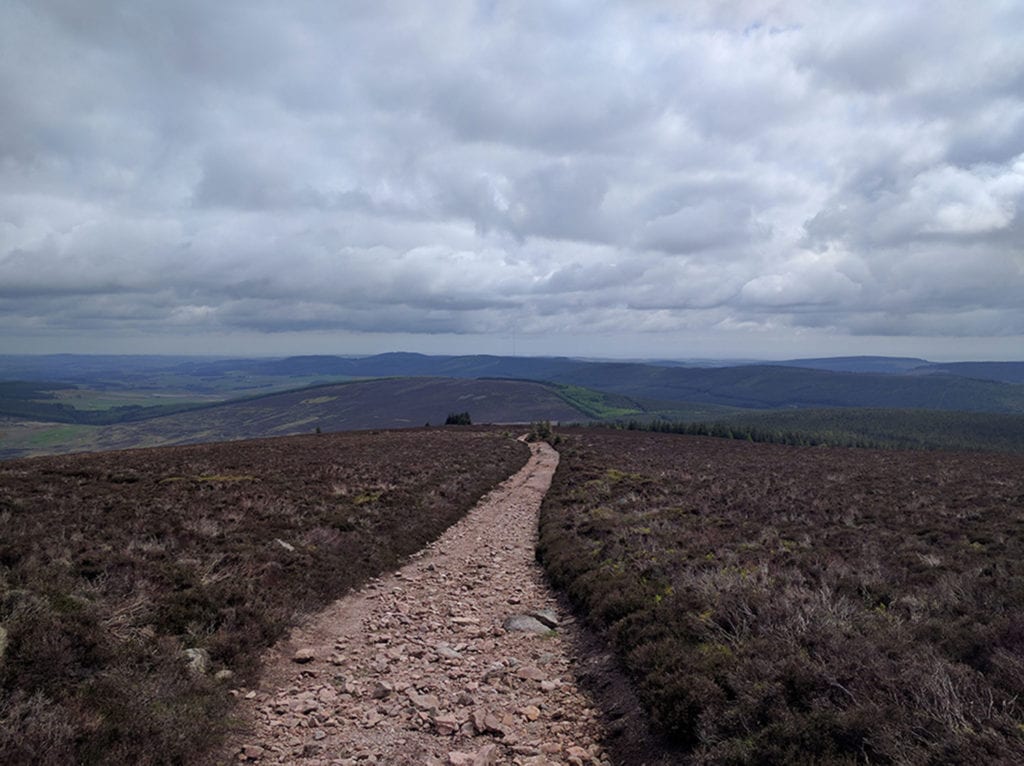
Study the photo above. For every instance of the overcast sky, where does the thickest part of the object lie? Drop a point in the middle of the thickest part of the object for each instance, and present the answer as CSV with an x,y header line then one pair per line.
x,y
671,179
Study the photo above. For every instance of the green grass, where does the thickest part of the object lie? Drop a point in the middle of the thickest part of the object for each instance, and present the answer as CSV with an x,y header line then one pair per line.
x,y
20,439
96,400
598,404
240,383
47,437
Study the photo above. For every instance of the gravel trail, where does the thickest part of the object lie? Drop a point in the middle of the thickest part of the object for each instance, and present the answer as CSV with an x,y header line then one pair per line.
x,y
423,666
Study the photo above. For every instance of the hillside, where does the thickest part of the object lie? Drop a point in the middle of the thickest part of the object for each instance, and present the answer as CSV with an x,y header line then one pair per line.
x,y
787,605
120,402
396,403
903,429
884,364
1007,372
841,382
138,588
768,603
750,386
845,427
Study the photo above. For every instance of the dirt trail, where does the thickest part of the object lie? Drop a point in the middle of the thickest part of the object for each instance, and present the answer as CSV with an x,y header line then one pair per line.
x,y
418,668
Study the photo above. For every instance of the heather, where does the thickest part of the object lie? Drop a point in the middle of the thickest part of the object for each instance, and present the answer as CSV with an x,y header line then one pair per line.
x,y
114,565
778,604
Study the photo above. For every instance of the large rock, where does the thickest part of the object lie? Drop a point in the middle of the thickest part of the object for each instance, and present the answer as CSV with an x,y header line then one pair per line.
x,y
525,623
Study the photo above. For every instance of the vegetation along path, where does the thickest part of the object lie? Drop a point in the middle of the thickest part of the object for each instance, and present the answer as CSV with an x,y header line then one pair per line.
x,y
460,657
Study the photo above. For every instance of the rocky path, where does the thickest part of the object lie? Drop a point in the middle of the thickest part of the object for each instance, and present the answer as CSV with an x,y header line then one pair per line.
x,y
460,657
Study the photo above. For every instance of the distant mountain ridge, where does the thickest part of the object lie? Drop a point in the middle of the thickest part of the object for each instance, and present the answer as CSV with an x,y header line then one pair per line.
x,y
883,364
887,382
768,386
1005,372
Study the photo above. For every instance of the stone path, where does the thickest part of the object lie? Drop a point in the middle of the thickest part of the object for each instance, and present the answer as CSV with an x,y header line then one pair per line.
x,y
424,666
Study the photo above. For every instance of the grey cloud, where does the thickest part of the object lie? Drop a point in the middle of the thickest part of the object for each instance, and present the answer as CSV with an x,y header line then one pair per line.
x,y
714,223
974,323
252,180
940,202
566,168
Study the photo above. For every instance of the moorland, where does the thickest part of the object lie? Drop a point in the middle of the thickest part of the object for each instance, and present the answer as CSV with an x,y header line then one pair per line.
x,y
792,593
137,588
779,604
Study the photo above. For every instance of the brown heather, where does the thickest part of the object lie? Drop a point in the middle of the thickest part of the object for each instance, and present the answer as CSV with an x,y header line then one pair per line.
x,y
785,605
113,564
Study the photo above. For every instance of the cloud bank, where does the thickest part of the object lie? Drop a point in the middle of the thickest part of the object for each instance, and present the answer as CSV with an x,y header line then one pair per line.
x,y
752,172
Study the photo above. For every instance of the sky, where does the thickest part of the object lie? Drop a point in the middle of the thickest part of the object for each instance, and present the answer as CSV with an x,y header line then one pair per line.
x,y
606,179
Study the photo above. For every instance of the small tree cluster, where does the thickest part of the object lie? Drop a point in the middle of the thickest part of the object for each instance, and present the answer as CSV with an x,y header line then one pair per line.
x,y
458,419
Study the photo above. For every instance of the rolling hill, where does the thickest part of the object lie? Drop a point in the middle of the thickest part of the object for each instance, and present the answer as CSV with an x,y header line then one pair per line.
x,y
389,403
1007,372
836,382
118,402
750,386
886,364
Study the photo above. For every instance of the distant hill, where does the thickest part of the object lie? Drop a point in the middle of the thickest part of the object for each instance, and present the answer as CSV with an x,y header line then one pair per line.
x,y
1007,372
749,386
902,429
395,403
1004,372
769,387
882,364
879,382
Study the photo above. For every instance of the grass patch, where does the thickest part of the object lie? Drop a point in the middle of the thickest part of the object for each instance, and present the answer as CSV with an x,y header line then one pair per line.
x,y
40,438
598,404
92,399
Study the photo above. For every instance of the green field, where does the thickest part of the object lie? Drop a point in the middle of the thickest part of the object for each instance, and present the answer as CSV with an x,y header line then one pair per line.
x,y
598,404
98,400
